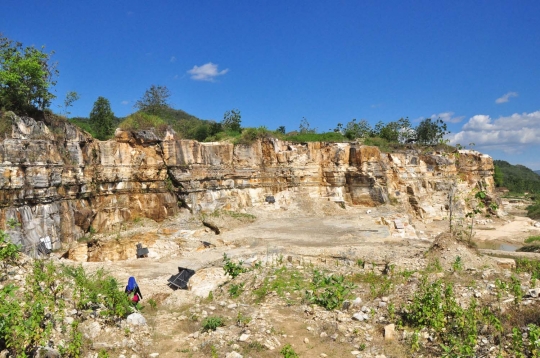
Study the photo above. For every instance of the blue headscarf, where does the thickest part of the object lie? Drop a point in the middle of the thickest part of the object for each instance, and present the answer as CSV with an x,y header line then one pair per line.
x,y
131,284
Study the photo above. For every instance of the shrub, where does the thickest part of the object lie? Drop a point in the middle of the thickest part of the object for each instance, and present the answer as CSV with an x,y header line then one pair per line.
x,y
211,323
288,352
231,268
329,291
144,121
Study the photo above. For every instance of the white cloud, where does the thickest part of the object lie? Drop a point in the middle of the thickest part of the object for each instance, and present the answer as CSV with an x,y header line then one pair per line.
x,y
506,97
512,134
206,72
125,102
447,117
173,59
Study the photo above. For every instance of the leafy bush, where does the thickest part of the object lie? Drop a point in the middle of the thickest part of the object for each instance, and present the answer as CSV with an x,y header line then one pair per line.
x,y
329,291
93,290
211,323
435,307
250,135
288,352
9,252
236,290
144,121
231,268
26,77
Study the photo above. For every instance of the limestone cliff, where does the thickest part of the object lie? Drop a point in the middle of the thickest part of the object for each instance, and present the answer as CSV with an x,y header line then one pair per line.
x,y
60,182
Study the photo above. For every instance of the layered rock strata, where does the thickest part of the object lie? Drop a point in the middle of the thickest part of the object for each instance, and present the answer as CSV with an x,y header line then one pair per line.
x,y
60,182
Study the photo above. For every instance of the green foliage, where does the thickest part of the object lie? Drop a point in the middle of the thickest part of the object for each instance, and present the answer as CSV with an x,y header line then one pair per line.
x,y
305,127
26,77
242,320
211,323
457,265
517,178
101,119
6,124
533,211
379,285
154,100
532,239
143,121
232,120
435,307
381,143
250,135
9,252
315,137
84,124
288,352
394,132
360,129
498,176
329,291
281,281
231,268
71,97
431,132
73,346
236,290
92,290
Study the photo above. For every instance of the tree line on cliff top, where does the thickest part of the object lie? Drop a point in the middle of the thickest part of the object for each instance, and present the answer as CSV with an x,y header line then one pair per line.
x,y
27,76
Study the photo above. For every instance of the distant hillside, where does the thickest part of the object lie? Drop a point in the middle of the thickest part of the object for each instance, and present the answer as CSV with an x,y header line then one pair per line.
x,y
537,172
518,178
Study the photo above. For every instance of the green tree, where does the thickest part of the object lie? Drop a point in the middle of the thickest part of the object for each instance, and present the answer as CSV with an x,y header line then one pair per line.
x,y
232,120
355,129
305,126
26,77
71,97
393,131
281,129
431,131
154,100
101,118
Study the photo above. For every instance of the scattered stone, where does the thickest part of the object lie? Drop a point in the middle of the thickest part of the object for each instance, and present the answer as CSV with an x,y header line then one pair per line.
x,y
136,319
389,332
244,337
306,340
234,354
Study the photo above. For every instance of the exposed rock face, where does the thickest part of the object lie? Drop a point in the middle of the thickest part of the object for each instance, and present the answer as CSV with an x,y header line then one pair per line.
x,y
63,182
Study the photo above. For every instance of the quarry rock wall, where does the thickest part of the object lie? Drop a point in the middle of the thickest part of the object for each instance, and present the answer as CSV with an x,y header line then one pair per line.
x,y
63,183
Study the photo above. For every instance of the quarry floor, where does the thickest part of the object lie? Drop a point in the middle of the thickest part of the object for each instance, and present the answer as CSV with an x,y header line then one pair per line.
x,y
315,235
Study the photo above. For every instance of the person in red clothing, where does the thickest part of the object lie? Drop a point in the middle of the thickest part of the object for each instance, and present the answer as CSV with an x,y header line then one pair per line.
x,y
133,290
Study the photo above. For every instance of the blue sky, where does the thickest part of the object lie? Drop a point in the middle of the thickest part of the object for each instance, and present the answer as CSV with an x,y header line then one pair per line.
x,y
475,64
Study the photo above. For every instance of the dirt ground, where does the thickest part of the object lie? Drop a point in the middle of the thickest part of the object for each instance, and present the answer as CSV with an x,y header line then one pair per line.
x,y
351,233
347,233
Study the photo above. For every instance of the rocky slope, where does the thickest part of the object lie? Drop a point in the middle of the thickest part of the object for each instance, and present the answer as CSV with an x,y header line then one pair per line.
x,y
58,181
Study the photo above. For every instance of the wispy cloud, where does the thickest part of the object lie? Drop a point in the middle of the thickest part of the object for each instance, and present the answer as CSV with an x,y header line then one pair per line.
x,y
448,117
206,72
124,102
511,134
173,59
506,97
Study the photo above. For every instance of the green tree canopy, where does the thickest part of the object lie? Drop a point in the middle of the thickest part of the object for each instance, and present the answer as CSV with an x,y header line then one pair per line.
x,y
154,100
26,77
232,120
431,131
102,118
